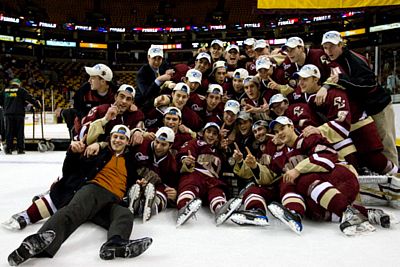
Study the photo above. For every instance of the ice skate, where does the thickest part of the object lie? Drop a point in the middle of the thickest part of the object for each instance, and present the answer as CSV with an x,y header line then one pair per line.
x,y
16,222
378,216
149,194
31,246
124,248
134,198
188,211
250,217
226,210
292,220
354,223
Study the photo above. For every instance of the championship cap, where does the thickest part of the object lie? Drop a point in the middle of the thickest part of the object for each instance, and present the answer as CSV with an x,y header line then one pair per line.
x,y
293,42
309,70
232,46
128,89
218,42
278,98
211,124
333,37
100,70
283,120
259,123
263,63
240,74
165,134
194,76
173,111
260,44
244,115
122,129
204,55
232,105
215,89
182,87
249,41
155,51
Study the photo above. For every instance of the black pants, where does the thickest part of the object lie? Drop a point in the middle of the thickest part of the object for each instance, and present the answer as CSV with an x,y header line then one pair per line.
x,y
90,203
15,125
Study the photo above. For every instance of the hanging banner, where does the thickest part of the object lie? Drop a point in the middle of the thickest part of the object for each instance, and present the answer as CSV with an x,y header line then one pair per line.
x,y
309,4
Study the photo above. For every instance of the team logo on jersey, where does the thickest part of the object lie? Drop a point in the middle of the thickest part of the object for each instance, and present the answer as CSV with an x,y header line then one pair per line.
x,y
149,122
297,111
201,143
196,107
342,114
140,157
339,102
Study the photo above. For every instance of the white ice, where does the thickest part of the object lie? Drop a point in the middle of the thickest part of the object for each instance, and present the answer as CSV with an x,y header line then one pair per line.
x,y
197,243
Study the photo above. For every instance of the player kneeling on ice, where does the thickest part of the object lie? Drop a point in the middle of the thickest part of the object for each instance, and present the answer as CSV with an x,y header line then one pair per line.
x,y
313,178
98,201
200,164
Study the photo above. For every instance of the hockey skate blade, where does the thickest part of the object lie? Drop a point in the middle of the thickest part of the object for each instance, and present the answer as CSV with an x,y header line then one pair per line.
x,y
232,207
134,194
150,194
241,219
279,213
11,224
192,208
357,230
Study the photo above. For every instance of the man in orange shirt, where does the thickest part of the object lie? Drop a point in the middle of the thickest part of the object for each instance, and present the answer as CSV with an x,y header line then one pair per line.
x,y
107,177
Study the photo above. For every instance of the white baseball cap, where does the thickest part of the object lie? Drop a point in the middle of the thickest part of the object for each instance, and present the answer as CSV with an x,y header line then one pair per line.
x,y
309,70
218,42
260,44
293,42
263,63
232,105
128,89
173,111
211,124
277,98
249,41
165,134
215,89
251,79
204,55
100,70
281,120
155,51
218,64
333,37
240,74
244,115
194,76
232,46
122,129
260,123
182,87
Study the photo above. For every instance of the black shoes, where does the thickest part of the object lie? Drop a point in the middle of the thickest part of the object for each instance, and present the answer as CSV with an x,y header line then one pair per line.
x,y
118,247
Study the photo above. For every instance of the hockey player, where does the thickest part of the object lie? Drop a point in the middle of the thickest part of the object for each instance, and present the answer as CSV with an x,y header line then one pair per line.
x,y
200,164
158,167
312,178
352,71
97,201
100,120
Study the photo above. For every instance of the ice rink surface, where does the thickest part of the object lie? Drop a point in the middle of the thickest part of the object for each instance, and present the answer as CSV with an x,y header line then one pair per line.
x,y
198,242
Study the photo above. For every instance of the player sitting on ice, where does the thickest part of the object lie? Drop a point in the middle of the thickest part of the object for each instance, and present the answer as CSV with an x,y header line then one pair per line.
x,y
200,162
314,180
